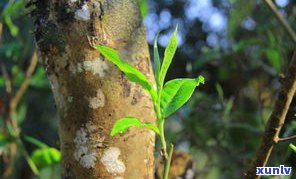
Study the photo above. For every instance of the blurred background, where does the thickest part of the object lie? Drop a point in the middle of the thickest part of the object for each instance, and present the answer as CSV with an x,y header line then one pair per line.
x,y
240,48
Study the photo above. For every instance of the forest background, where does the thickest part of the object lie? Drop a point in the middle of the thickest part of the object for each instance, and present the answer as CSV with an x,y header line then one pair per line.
x,y
240,48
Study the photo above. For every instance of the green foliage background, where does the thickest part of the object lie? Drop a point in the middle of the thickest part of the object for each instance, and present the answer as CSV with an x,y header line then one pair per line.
x,y
220,126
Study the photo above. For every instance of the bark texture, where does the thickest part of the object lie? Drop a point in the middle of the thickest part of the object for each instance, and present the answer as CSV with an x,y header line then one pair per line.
x,y
90,92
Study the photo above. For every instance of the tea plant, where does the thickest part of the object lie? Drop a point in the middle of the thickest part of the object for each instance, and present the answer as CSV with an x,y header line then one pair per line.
x,y
167,98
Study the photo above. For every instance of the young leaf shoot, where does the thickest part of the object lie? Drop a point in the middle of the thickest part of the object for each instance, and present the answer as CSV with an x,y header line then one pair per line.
x,y
168,56
167,98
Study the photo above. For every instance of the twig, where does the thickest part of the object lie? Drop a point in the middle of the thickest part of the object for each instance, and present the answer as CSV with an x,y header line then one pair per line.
x,y
13,101
285,139
22,89
1,30
281,19
30,162
276,120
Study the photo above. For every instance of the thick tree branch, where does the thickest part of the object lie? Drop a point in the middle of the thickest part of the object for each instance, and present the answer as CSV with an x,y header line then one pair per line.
x,y
276,120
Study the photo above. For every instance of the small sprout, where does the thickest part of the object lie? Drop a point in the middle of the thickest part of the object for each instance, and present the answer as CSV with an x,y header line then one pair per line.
x,y
167,98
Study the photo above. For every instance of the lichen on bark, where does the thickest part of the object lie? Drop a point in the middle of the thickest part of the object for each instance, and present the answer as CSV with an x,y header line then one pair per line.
x,y
90,92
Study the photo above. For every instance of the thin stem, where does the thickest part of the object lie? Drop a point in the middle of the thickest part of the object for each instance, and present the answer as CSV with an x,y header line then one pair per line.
x,y
167,162
162,140
281,19
25,84
160,123
1,30
30,162
15,99
285,139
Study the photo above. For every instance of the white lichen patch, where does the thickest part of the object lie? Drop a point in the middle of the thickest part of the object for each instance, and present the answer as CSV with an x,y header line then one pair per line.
x,y
189,174
70,99
78,154
80,138
111,161
79,68
73,68
86,141
83,13
98,100
88,160
97,67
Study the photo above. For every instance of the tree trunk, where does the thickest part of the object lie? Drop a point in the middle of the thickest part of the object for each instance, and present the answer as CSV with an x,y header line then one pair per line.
x,y
90,92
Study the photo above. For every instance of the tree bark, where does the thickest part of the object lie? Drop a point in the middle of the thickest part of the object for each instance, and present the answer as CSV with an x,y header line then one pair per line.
x,y
90,92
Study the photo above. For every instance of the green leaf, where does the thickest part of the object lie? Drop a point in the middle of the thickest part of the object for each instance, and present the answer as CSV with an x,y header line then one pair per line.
x,y
151,126
21,113
11,50
274,57
206,57
36,142
156,60
13,8
168,56
244,44
9,12
240,10
50,172
38,80
131,72
14,30
176,93
220,92
46,157
271,38
123,124
5,139
2,82
143,7
18,75
293,147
